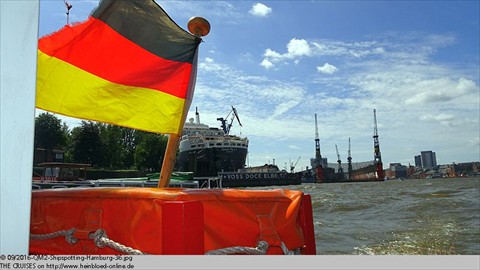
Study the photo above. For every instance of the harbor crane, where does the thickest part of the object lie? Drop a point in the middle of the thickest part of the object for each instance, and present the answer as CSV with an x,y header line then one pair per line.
x,y
340,169
376,149
225,127
349,159
318,157
292,166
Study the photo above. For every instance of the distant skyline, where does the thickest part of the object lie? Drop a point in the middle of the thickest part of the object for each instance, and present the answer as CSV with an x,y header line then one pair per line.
x,y
426,159
280,62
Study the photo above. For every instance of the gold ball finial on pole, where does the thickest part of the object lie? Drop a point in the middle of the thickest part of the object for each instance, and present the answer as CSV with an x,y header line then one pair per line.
x,y
198,26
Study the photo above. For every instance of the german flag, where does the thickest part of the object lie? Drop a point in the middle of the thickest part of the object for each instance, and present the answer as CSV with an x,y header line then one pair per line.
x,y
129,64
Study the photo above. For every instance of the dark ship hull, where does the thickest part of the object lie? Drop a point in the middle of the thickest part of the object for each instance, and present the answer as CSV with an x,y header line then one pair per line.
x,y
266,175
208,162
258,179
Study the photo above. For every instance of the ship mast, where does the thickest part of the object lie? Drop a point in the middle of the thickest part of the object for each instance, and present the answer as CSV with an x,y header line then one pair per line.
x,y
376,148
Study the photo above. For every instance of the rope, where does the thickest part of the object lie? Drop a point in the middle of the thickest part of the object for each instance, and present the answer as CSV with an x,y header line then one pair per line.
x,y
261,249
99,237
67,233
101,240
288,252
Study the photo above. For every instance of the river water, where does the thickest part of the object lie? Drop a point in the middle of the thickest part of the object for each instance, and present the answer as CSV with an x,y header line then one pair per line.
x,y
439,216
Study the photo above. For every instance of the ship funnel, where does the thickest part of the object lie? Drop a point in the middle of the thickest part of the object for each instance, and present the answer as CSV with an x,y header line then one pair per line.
x,y
197,116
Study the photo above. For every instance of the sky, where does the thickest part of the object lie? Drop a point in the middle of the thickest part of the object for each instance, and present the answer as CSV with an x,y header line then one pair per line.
x,y
281,62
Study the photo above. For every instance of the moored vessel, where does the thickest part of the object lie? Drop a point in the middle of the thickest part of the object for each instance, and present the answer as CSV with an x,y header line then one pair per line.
x,y
206,150
265,175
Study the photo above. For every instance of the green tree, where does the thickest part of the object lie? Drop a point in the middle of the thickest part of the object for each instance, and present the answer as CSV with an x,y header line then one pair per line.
x,y
149,151
128,138
87,146
113,149
67,155
49,132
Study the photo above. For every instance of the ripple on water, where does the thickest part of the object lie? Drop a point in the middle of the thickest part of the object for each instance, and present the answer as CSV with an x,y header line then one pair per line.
x,y
438,237
436,194
350,207
411,217
410,244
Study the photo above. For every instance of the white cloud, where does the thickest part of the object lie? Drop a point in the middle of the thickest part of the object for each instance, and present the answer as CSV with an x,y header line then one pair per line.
x,y
475,141
296,48
327,69
261,10
209,64
440,90
267,64
440,40
219,83
444,119
411,49
272,54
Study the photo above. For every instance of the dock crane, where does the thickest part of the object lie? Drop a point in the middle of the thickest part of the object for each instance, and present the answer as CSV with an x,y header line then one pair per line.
x,y
376,149
349,159
225,127
292,166
340,169
318,157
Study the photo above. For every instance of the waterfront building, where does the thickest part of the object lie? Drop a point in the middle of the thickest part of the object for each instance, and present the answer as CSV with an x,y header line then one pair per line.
x,y
418,161
466,169
426,160
429,159
397,170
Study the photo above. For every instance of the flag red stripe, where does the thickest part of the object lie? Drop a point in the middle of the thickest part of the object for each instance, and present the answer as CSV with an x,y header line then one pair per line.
x,y
94,47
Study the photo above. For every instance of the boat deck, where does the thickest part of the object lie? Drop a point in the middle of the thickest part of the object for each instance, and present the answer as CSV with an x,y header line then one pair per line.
x,y
112,183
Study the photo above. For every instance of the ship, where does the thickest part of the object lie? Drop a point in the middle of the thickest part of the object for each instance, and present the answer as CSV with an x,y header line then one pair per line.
x,y
265,175
206,150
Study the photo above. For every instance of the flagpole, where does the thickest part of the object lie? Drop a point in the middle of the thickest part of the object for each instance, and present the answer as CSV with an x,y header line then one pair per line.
x,y
168,160
199,27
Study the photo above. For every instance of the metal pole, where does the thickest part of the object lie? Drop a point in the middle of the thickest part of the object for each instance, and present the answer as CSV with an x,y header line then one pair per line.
x,y
18,54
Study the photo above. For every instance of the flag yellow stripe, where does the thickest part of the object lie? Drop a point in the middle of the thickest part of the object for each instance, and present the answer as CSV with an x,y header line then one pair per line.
x,y
65,89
